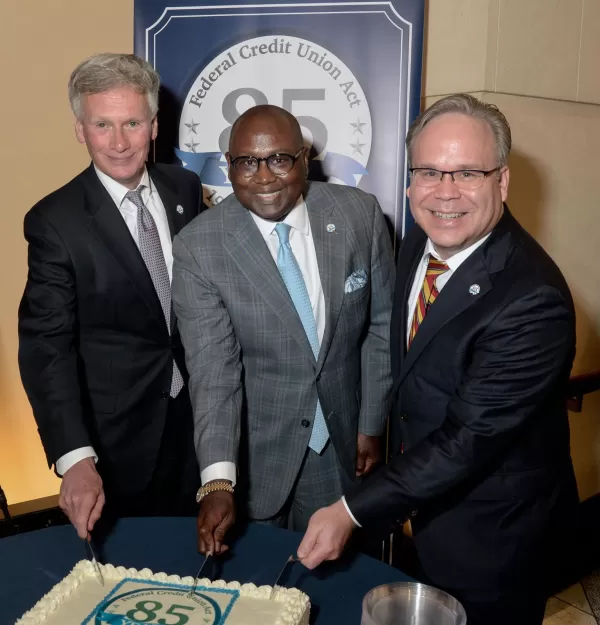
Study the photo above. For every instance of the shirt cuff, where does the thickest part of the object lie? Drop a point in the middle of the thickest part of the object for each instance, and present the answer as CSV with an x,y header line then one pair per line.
x,y
219,471
350,513
64,463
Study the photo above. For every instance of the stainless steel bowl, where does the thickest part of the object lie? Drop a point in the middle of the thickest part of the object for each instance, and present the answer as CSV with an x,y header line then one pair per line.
x,y
408,603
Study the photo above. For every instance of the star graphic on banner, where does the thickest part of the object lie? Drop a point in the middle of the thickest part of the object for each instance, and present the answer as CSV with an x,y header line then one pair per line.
x,y
192,127
191,145
358,126
357,147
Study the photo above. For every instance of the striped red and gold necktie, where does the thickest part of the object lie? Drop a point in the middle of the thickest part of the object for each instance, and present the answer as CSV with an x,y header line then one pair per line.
x,y
427,295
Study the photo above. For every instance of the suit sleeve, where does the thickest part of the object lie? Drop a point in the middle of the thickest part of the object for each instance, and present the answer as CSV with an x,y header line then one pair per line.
x,y
376,380
514,366
47,340
212,358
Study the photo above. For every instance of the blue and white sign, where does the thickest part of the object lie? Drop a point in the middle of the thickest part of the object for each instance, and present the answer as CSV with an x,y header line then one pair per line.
x,y
349,71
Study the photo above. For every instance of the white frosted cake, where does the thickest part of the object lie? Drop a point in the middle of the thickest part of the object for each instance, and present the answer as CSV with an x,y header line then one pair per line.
x,y
129,596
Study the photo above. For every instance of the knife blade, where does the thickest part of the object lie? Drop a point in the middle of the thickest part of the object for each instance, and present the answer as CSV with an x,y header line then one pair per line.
x,y
95,563
197,577
292,558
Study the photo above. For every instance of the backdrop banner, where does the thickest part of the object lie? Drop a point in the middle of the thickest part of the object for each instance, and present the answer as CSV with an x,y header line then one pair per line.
x,y
349,71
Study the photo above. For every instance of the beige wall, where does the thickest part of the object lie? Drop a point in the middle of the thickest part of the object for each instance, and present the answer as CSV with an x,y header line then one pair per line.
x,y
41,43
537,60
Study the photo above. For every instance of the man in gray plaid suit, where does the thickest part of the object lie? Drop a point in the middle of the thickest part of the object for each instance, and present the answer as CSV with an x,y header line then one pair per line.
x,y
283,294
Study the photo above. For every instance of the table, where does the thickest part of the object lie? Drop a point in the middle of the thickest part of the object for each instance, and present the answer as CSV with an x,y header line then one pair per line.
x,y
30,564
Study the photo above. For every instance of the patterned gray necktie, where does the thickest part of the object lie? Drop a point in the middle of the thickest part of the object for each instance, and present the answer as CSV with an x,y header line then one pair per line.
x,y
151,251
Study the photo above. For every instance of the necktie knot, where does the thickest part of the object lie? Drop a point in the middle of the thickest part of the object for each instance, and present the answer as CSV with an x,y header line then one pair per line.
x,y
436,267
135,196
283,232
144,217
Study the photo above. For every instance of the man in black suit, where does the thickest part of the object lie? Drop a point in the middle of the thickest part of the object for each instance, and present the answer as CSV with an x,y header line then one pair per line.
x,y
483,339
100,354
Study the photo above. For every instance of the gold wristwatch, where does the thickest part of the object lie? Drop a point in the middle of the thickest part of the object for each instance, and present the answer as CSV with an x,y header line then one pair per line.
x,y
213,487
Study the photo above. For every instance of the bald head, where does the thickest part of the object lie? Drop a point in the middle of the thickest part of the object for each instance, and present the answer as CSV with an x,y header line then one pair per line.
x,y
265,118
266,136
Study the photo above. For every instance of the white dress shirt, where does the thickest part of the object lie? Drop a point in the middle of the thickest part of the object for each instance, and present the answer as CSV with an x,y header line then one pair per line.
x,y
303,246
454,262
128,211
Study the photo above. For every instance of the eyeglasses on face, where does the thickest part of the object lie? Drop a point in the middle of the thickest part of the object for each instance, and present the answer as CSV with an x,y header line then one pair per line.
x,y
279,164
462,178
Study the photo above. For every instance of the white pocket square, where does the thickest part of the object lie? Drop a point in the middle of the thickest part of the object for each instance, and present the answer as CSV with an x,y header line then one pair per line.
x,y
355,281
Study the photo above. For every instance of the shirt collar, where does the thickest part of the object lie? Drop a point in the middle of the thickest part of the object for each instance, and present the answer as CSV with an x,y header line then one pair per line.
x,y
454,262
118,192
297,218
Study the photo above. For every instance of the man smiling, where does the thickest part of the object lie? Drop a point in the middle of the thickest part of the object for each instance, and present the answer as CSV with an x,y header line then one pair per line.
x,y
99,351
283,294
482,346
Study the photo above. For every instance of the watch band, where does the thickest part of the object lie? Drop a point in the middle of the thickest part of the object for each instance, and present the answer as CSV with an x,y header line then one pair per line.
x,y
212,487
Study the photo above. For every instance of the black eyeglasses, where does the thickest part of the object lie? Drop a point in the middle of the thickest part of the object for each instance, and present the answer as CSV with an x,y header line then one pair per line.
x,y
462,178
278,164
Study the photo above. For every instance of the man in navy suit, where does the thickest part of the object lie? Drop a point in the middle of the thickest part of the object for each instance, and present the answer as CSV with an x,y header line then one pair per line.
x,y
100,354
483,339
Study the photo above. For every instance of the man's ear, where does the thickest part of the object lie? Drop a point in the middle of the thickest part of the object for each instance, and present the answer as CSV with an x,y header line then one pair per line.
x,y
504,180
305,160
79,130
229,167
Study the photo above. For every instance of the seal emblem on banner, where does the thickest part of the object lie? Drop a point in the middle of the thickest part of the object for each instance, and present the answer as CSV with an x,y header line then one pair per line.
x,y
302,77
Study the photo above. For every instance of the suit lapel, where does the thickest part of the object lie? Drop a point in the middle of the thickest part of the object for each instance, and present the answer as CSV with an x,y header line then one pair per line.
x,y
330,248
110,228
412,258
170,199
411,251
249,251
454,299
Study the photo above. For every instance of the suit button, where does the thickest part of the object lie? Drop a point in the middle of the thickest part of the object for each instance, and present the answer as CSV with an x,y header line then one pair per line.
x,y
305,423
164,395
402,417
318,377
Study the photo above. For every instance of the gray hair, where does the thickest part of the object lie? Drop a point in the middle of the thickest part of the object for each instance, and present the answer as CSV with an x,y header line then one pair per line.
x,y
465,104
106,71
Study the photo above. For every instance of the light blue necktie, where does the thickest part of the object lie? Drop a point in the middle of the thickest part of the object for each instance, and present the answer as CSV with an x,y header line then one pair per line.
x,y
292,277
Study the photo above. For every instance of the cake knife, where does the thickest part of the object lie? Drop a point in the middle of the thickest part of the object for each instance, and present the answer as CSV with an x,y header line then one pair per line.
x,y
292,558
95,563
193,588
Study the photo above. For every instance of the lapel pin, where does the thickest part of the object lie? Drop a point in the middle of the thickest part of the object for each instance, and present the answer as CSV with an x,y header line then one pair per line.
x,y
330,228
179,209
474,289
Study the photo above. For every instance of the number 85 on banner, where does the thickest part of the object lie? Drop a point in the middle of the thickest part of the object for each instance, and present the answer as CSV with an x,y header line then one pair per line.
x,y
298,75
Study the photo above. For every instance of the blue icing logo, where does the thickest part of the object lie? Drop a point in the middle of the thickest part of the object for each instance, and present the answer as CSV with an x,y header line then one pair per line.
x,y
160,603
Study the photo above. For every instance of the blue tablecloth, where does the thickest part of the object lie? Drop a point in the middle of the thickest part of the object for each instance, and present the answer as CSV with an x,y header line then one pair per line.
x,y
30,564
